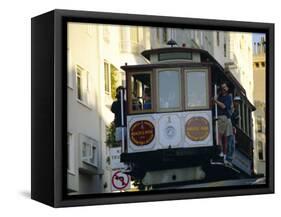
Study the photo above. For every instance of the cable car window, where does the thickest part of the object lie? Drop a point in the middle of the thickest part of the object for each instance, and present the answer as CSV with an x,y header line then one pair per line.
x,y
175,56
243,118
140,97
246,119
169,86
197,89
250,123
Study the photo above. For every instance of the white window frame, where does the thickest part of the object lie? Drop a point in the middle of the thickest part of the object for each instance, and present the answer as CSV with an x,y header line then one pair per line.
x,y
69,69
92,144
90,30
84,76
88,155
134,39
71,153
109,77
106,33
94,154
202,39
218,38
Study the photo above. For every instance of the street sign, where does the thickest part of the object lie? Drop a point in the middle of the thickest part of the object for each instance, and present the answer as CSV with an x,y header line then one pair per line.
x,y
115,159
120,181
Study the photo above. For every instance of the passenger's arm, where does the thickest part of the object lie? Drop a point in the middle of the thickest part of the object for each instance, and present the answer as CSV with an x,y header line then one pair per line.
x,y
220,104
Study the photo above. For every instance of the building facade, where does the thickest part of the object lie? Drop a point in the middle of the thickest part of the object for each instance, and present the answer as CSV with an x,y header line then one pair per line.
x,y
259,63
95,54
240,58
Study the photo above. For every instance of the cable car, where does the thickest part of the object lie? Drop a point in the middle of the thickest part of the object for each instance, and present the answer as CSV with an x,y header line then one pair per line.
x,y
171,124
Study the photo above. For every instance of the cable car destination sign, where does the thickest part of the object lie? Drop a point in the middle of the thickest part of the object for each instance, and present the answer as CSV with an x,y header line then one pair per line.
x,y
197,128
142,132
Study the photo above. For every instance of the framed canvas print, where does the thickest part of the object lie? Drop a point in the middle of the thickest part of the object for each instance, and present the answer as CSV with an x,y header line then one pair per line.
x,y
135,108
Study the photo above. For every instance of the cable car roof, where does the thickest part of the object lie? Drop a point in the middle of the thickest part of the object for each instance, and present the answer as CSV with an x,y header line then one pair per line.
x,y
147,53
206,60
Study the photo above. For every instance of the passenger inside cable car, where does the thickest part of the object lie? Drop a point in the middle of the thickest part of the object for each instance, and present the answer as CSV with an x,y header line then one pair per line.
x,y
147,99
141,92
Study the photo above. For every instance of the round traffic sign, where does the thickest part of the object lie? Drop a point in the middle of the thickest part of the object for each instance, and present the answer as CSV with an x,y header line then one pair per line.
x,y
120,180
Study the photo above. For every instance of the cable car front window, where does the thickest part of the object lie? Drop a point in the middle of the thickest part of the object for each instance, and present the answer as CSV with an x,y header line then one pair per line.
x,y
197,93
169,85
141,92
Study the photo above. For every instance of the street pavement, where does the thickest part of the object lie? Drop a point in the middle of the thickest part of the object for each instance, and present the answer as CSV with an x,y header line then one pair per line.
x,y
224,183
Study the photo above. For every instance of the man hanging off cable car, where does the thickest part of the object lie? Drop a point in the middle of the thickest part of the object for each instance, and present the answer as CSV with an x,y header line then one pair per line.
x,y
225,104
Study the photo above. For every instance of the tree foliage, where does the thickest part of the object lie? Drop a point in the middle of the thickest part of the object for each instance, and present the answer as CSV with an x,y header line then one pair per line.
x,y
110,136
114,80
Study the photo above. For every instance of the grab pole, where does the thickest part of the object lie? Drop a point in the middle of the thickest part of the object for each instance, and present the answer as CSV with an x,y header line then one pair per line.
x,y
122,120
216,115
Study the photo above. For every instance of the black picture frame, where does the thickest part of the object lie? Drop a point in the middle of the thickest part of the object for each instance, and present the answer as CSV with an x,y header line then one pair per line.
x,y
48,108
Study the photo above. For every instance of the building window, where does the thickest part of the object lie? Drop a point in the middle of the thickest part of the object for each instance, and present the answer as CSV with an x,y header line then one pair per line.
x,y
134,34
69,69
106,33
169,89
71,154
158,34
259,124
90,30
224,50
89,153
123,39
82,84
112,79
79,85
218,38
193,34
107,77
86,151
241,43
260,150
93,159
263,64
196,90
257,65
165,35
202,39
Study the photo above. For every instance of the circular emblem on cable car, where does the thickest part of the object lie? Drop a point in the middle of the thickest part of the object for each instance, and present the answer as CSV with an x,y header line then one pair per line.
x,y
142,133
170,132
197,128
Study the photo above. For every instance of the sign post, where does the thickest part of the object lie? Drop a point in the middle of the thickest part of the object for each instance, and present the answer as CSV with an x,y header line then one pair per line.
x,y
119,181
